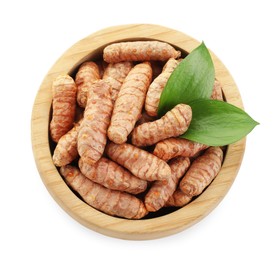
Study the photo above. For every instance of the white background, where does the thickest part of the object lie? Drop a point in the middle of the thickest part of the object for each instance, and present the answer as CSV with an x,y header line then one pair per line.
x,y
35,33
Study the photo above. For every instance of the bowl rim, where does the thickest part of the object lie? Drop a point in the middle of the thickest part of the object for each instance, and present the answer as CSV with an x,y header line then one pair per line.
x,y
79,210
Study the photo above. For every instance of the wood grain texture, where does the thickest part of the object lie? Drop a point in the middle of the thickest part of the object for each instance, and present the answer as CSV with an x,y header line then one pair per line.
x,y
91,47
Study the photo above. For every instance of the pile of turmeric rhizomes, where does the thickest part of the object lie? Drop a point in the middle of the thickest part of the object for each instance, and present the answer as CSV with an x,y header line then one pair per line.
x,y
111,147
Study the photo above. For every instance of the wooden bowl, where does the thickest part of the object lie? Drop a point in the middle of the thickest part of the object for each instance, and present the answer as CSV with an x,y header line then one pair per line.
x,y
90,48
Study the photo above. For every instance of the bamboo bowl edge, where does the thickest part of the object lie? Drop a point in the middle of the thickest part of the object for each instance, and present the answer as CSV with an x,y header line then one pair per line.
x,y
86,215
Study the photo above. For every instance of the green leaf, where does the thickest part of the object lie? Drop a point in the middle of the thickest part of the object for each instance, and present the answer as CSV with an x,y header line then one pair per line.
x,y
192,79
217,123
